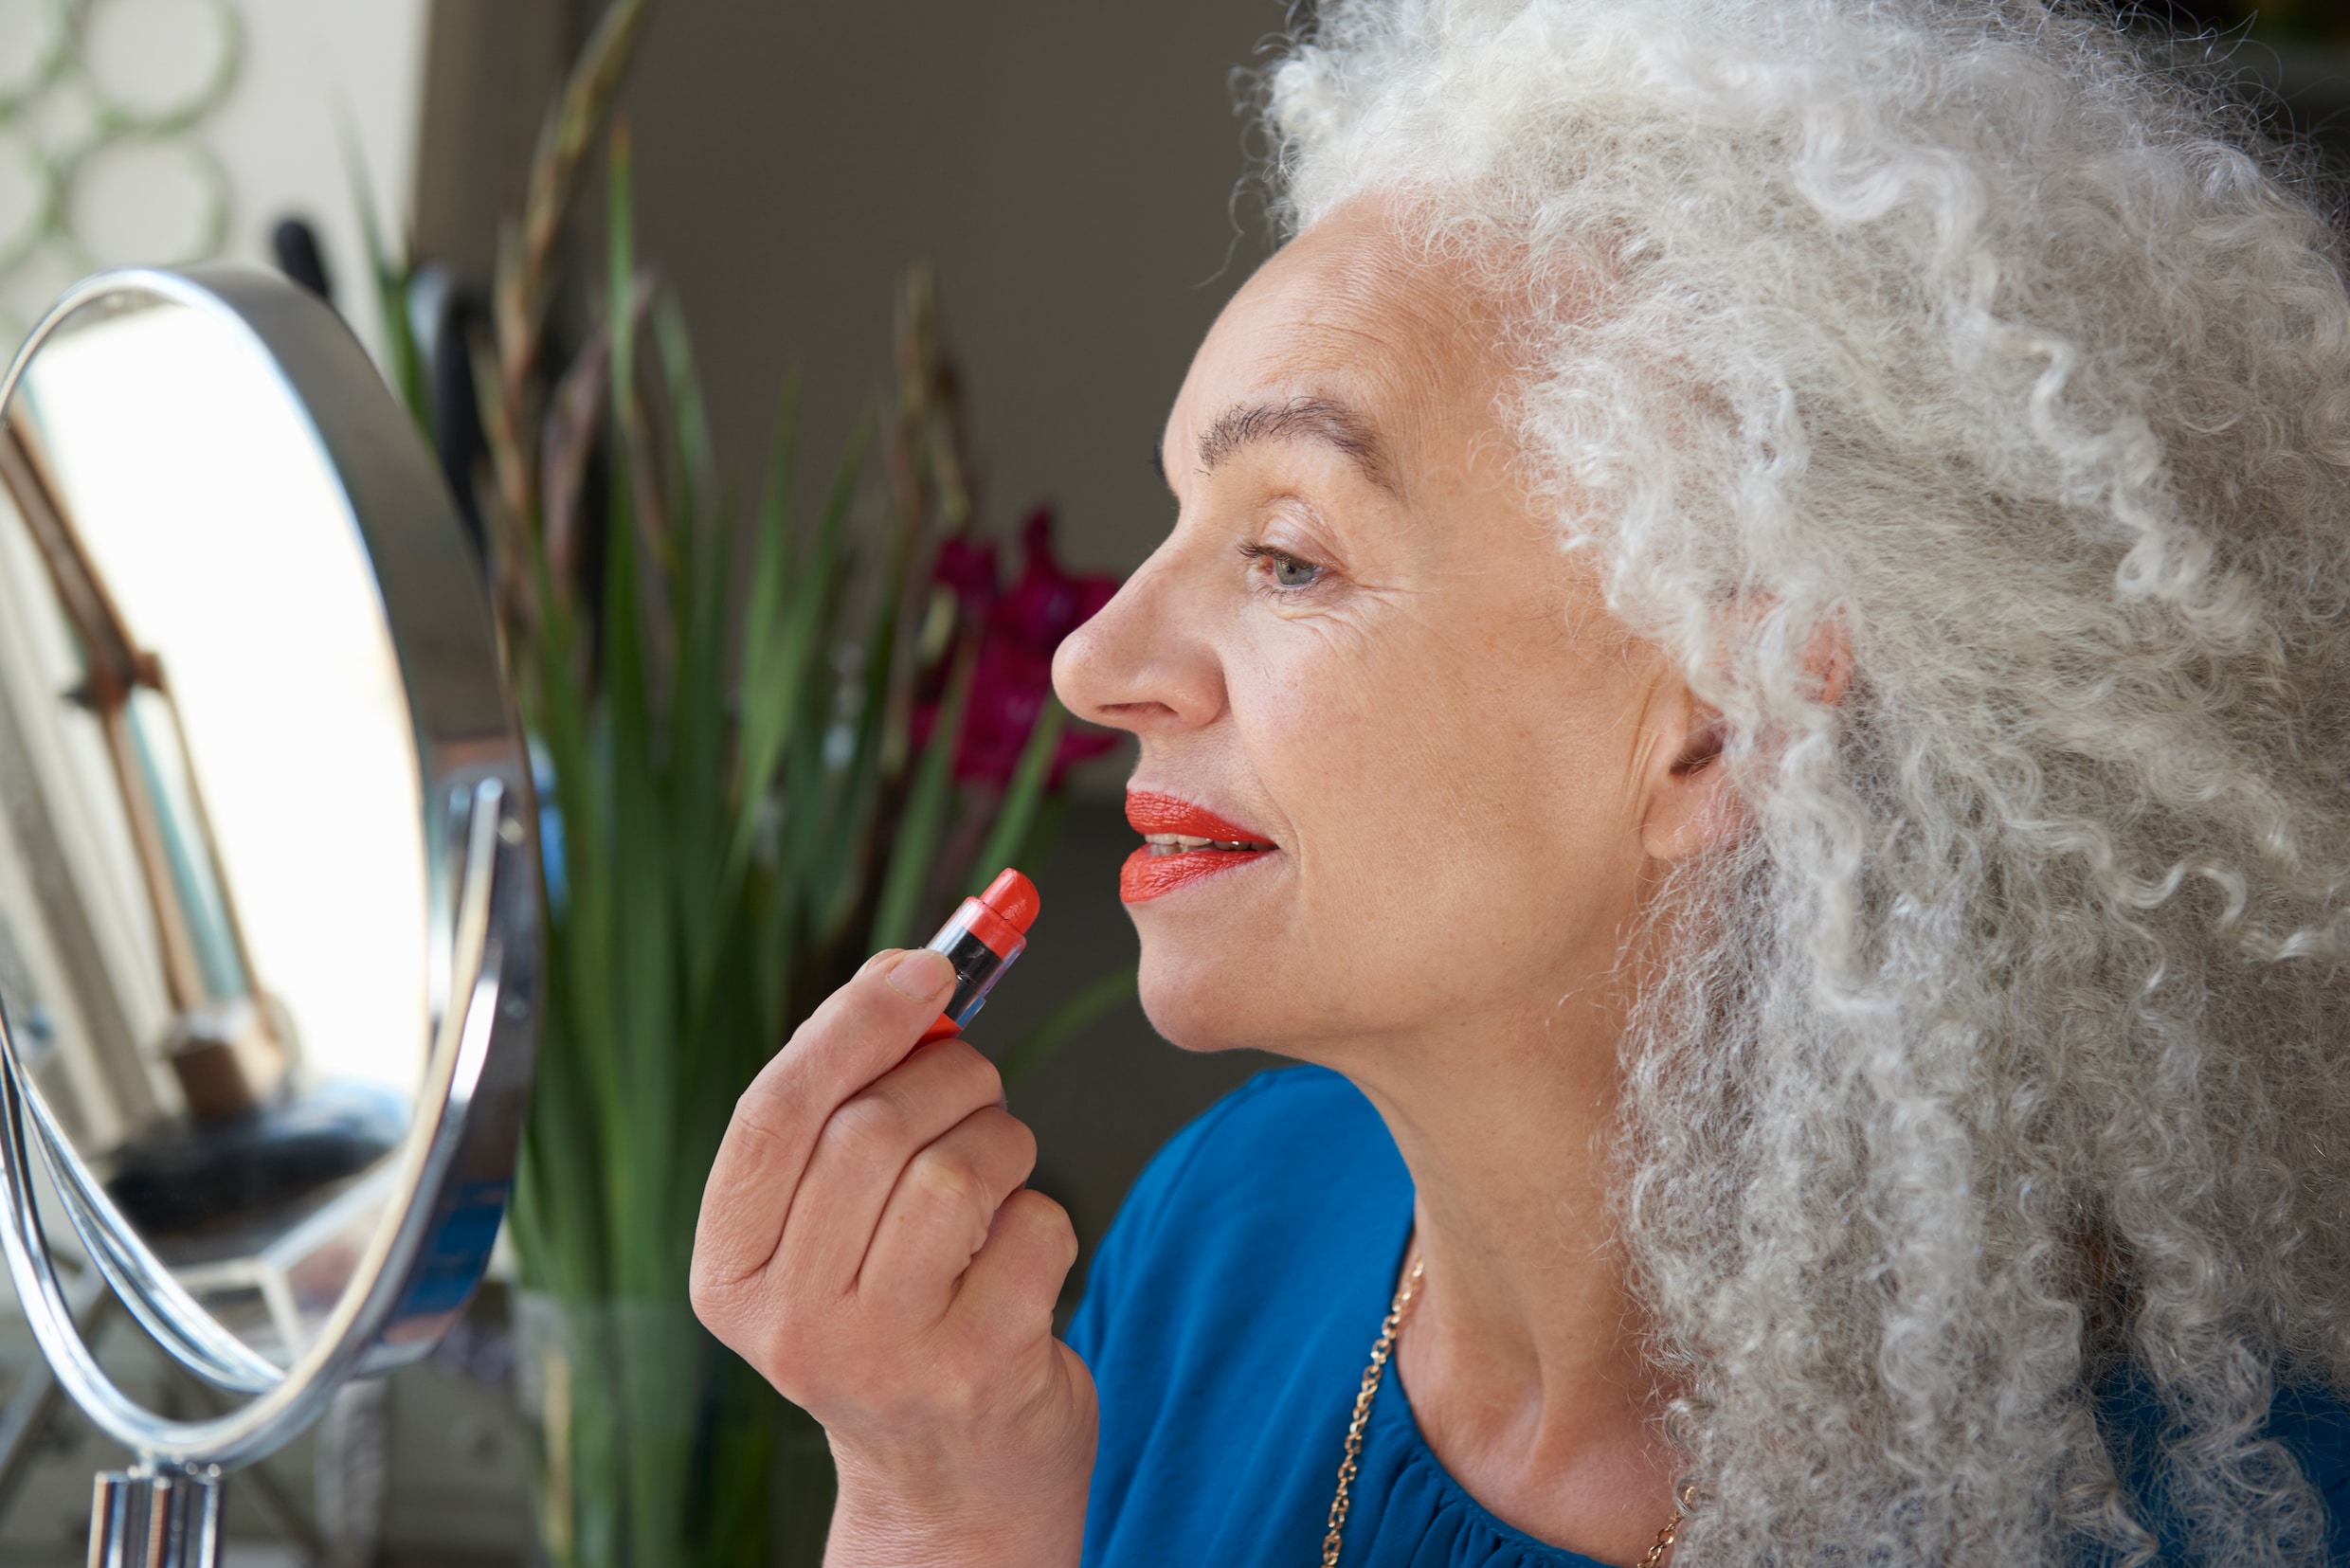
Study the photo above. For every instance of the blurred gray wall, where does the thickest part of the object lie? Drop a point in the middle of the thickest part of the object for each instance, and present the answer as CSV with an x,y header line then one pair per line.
x,y
1072,169
1070,164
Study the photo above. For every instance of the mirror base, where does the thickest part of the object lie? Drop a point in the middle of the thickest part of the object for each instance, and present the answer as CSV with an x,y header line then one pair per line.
x,y
148,1518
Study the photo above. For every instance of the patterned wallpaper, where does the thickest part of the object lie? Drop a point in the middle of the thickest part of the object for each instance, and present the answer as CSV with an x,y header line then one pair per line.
x,y
103,159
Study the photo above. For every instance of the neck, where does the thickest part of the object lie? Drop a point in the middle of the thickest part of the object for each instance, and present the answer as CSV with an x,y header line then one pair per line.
x,y
1523,1356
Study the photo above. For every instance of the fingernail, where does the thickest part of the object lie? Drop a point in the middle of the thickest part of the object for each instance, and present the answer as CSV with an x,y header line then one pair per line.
x,y
921,975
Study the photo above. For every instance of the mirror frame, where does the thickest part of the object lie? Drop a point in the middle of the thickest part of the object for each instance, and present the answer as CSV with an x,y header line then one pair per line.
x,y
455,1165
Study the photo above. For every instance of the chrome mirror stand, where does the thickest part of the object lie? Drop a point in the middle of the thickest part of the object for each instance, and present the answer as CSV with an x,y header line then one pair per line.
x,y
157,1518
167,1510
445,1182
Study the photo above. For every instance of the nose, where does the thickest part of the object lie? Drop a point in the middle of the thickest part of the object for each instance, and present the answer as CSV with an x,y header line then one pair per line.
x,y
1146,662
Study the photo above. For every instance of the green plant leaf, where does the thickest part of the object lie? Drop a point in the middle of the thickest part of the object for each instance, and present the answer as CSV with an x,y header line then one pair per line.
x,y
773,543
839,855
619,271
647,1256
908,881
391,273
1018,812
697,465
786,645
699,785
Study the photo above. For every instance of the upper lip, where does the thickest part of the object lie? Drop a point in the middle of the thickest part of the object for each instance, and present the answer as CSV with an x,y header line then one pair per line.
x,y
1149,811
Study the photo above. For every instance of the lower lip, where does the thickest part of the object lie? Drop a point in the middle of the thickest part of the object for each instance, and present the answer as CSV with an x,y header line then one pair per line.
x,y
1146,876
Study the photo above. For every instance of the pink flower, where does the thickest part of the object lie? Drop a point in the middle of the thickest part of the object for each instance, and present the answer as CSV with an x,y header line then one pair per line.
x,y
968,567
1022,628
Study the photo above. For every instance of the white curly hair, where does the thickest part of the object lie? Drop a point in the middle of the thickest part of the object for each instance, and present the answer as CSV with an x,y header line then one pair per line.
x,y
1998,1074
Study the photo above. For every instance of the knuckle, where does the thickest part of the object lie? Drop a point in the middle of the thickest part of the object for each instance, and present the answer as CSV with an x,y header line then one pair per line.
x,y
787,1364
945,1181
987,1079
1003,1145
1018,1140
798,1043
716,1286
965,1073
790,1352
872,1125
1046,1217
728,1309
840,1029
758,1118
710,1300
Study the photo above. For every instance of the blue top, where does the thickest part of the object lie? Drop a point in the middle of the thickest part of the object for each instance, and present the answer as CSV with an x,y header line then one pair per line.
x,y
1227,1321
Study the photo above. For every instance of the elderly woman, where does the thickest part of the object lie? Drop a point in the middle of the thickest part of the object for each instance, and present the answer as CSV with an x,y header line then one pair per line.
x,y
1754,662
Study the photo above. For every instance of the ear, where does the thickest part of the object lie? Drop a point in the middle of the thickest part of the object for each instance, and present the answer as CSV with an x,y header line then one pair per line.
x,y
1692,805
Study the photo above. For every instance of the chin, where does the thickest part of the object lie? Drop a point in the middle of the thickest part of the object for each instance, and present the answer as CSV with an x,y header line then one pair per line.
x,y
1205,997
1207,992
1190,1005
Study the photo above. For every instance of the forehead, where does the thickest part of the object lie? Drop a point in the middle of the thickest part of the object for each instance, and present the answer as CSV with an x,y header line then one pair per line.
x,y
1350,310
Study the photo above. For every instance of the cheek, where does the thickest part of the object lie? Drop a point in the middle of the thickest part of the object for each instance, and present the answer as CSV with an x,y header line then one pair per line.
x,y
1456,811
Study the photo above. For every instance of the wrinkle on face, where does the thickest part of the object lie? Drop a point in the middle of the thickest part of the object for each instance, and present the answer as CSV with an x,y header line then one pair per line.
x,y
1319,419
1449,724
1467,765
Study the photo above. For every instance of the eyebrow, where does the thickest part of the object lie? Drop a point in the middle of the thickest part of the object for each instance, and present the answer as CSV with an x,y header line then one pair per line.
x,y
1301,418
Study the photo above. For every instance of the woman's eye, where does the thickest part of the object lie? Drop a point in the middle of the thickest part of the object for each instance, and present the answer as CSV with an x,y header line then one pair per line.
x,y
1288,572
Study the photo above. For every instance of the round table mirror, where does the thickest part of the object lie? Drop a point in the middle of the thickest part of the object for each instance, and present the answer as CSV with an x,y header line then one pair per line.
x,y
267,878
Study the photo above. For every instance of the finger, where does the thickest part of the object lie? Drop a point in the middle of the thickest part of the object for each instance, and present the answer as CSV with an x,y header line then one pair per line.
x,y
861,1030
863,1151
1011,1288
940,1213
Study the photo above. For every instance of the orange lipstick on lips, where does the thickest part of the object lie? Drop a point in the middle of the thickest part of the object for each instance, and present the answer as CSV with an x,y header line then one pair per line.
x,y
1187,844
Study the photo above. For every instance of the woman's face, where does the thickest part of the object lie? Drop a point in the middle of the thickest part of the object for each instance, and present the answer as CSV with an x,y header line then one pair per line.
x,y
1360,648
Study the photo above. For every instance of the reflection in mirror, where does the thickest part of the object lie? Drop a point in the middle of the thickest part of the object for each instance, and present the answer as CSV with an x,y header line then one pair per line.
x,y
212,870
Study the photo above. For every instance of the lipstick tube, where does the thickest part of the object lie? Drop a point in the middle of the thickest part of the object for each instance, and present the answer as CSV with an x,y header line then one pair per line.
x,y
981,939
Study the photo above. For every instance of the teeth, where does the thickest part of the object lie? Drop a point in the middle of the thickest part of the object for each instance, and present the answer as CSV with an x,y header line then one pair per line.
x,y
1183,843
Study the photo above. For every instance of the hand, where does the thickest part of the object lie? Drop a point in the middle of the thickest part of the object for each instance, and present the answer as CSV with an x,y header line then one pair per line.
x,y
865,1242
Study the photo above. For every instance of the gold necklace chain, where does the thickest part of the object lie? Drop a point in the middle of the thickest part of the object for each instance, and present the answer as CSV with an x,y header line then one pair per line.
x,y
1682,1498
1382,1349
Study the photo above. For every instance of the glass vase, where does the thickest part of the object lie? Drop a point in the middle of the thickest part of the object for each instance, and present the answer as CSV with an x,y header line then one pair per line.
x,y
655,1448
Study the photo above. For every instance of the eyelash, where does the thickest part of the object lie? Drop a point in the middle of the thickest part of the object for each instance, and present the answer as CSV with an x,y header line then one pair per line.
x,y
1282,558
